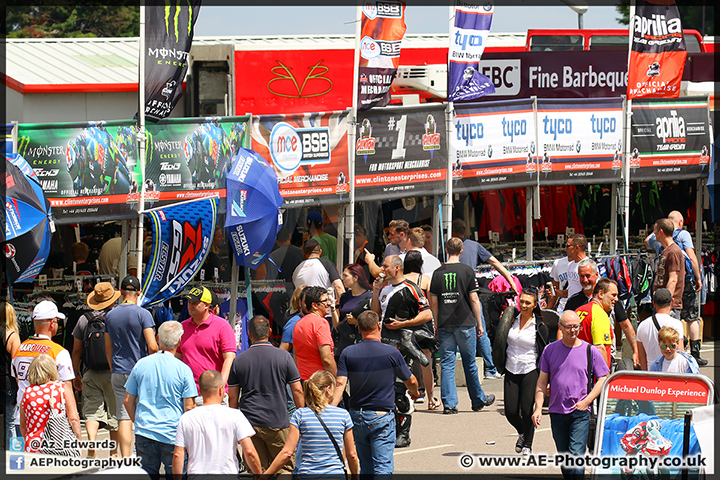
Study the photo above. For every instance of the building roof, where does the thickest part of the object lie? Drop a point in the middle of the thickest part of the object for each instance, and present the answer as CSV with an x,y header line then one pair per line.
x,y
67,65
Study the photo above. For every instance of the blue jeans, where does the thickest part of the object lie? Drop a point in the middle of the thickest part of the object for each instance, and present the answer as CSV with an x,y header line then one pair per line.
x,y
452,339
152,453
11,408
375,441
484,350
570,432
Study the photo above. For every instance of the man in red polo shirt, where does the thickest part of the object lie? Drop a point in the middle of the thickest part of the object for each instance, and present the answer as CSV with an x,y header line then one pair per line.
x,y
312,340
208,341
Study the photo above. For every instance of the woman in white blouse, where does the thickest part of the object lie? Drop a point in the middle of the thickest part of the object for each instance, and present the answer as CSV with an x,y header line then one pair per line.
x,y
526,340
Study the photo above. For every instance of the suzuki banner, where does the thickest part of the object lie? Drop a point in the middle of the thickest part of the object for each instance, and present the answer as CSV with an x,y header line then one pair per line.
x,y
657,50
670,139
382,31
580,140
494,146
168,38
468,37
182,236
308,153
401,152
90,171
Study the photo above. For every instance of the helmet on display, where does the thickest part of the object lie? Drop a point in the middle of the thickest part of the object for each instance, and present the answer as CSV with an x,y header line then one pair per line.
x,y
653,425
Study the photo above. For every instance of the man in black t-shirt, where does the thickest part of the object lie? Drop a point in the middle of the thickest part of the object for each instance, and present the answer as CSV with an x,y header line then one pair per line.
x,y
457,310
262,373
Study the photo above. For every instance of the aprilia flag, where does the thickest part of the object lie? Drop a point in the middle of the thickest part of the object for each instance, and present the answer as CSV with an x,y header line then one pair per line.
x,y
382,30
168,38
657,50
468,37
182,234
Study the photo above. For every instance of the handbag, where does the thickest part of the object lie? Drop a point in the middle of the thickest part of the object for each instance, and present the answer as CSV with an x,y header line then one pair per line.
x,y
58,431
334,442
591,408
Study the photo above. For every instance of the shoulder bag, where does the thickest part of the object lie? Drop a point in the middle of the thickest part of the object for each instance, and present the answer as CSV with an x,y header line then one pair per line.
x,y
591,408
58,431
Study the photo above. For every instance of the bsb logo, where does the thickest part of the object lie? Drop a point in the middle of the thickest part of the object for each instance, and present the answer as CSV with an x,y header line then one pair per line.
x,y
291,147
285,84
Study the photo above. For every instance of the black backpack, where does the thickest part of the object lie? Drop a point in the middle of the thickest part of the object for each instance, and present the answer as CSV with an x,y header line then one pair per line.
x,y
94,356
642,279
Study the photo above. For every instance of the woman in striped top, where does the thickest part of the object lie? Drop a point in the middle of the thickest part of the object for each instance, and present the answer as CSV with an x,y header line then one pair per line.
x,y
318,453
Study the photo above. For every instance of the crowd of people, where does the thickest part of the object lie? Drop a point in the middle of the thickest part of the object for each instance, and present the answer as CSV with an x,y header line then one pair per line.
x,y
355,354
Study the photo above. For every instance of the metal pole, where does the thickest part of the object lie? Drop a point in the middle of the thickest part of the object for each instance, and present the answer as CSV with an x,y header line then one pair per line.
x,y
141,140
625,212
529,222
349,230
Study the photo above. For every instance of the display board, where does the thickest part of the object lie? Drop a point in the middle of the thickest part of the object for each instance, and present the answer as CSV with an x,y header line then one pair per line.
x,y
401,152
493,145
309,154
670,139
90,171
580,140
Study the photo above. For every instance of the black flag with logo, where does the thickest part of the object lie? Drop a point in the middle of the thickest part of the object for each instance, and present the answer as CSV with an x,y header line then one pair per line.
x,y
168,37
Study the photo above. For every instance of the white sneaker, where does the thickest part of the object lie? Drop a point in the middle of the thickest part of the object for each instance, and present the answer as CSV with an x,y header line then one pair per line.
x,y
420,400
495,375
526,452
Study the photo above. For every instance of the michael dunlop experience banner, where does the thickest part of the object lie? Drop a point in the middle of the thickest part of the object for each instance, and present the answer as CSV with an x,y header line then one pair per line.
x,y
90,171
670,139
468,37
580,140
182,234
308,153
168,38
382,31
657,51
494,145
401,152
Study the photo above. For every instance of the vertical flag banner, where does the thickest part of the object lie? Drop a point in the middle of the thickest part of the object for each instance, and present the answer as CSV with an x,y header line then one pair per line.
x,y
182,235
468,37
168,38
657,50
382,31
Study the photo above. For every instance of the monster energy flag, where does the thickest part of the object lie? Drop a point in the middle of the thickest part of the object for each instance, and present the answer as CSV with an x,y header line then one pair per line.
x,y
182,234
168,38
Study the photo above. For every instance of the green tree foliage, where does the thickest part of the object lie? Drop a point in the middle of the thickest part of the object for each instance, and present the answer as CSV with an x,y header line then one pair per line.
x,y
81,19
696,16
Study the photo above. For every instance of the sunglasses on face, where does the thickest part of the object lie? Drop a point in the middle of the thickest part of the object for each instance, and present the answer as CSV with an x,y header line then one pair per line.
x,y
671,346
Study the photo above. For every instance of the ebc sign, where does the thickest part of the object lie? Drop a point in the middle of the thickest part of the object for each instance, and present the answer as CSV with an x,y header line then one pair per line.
x,y
291,147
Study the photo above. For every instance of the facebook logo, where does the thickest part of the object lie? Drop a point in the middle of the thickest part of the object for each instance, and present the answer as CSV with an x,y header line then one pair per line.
x,y
17,444
17,462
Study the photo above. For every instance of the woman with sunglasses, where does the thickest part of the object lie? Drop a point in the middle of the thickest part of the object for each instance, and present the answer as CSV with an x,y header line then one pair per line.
x,y
672,360
526,340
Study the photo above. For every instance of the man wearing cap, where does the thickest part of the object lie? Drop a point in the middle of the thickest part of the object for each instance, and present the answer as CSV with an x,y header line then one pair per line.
x,y
93,381
45,317
326,241
129,336
647,332
317,271
208,341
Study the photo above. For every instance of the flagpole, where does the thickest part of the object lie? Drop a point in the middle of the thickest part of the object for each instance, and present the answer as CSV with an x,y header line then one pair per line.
x,y
352,135
446,220
628,137
141,140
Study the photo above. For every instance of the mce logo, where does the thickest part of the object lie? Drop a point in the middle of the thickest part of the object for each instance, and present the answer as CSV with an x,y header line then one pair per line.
x,y
291,147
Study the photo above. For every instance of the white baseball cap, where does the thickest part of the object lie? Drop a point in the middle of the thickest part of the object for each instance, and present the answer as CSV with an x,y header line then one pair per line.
x,y
46,310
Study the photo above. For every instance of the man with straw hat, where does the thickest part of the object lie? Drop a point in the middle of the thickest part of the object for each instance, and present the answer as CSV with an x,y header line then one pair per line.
x,y
92,372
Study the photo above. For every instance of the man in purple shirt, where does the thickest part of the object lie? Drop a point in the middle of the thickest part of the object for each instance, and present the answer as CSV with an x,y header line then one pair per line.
x,y
208,341
564,366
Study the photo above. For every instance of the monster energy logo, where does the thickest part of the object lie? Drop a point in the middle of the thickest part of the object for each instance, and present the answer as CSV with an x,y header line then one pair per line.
x,y
450,280
176,19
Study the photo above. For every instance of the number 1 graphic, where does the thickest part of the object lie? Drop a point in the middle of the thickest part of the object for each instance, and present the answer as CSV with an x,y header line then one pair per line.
x,y
399,150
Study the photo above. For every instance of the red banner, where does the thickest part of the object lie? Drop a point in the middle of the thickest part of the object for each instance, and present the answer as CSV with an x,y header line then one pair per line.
x,y
658,53
651,388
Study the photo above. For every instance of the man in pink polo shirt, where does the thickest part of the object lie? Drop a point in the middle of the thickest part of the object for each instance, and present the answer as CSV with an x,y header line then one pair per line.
x,y
208,341
312,340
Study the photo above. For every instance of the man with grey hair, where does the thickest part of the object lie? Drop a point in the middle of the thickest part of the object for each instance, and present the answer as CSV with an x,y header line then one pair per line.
x,y
157,392
589,275
647,334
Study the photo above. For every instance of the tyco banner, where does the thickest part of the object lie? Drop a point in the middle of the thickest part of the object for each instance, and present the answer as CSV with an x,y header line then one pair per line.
x,y
494,146
168,38
182,234
670,139
580,140
308,153
88,171
401,152
657,51
382,31
468,37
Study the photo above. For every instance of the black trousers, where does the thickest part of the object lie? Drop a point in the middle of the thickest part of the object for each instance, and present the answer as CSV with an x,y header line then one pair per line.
x,y
519,397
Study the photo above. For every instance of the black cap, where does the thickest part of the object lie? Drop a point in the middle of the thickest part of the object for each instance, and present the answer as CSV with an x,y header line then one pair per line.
x,y
662,297
130,283
310,245
363,306
199,294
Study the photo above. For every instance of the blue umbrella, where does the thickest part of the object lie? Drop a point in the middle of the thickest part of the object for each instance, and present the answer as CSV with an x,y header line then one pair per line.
x,y
28,226
253,208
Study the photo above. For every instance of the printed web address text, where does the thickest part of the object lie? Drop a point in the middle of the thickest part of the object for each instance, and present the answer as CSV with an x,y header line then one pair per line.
x,y
629,462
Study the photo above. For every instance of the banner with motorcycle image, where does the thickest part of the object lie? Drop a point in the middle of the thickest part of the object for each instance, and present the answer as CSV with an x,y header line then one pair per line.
x,y
401,152
670,139
90,172
309,153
